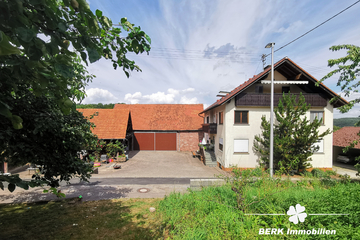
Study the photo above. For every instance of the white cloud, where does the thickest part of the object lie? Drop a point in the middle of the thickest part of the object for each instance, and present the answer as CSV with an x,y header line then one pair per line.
x,y
185,100
97,95
133,98
171,96
160,97
188,90
173,91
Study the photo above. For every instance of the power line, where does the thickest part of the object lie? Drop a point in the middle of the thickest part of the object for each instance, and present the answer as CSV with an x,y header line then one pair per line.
x,y
316,26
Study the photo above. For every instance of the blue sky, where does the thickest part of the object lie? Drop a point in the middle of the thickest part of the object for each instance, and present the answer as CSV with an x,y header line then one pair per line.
x,y
200,47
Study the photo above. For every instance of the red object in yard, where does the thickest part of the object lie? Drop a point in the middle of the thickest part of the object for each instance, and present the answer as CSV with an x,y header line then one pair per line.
x,y
111,160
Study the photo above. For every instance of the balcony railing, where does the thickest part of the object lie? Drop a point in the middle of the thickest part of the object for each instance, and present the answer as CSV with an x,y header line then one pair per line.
x,y
210,128
263,99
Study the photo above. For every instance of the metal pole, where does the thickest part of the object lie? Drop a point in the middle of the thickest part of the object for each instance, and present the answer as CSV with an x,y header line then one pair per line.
x,y
272,113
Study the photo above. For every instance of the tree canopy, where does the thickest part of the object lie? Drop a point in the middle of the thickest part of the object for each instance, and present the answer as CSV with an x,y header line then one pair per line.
x,y
45,46
47,66
295,136
348,68
96,105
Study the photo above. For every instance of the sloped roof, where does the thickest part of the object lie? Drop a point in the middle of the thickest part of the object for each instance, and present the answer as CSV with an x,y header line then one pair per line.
x,y
164,117
277,66
110,123
346,135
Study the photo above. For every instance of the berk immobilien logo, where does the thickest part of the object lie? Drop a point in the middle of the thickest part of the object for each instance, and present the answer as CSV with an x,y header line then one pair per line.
x,y
297,214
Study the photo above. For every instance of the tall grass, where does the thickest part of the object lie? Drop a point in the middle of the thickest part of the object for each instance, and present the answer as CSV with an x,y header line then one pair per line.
x,y
215,212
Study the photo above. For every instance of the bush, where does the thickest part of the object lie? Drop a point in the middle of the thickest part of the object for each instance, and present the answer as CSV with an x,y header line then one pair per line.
x,y
318,173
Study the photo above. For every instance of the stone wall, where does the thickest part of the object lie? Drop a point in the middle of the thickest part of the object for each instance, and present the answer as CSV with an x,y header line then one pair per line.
x,y
188,141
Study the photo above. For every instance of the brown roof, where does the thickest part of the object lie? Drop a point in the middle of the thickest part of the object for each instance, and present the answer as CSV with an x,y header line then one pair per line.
x,y
164,117
346,135
266,71
110,123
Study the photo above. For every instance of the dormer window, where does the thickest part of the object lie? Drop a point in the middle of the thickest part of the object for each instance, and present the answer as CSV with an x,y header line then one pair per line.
x,y
259,89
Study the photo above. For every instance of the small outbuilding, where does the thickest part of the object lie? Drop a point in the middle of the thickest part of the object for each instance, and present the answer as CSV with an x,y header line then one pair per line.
x,y
342,138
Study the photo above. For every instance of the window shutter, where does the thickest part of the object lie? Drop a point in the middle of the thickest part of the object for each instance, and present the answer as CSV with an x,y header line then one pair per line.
x,y
241,145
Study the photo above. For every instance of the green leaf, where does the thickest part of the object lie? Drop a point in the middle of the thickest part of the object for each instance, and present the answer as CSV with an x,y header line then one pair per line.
x,y
16,122
5,47
5,111
65,70
25,34
98,13
62,26
93,55
127,74
23,185
68,103
148,38
106,21
83,56
34,53
11,187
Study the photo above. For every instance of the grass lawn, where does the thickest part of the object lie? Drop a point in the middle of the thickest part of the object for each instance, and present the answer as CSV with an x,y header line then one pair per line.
x,y
69,219
212,213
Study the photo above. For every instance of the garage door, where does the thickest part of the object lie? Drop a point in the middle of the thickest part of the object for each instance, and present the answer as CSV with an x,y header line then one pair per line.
x,y
155,141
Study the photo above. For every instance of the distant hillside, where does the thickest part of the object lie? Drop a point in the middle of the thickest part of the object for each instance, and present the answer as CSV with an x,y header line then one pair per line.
x,y
344,122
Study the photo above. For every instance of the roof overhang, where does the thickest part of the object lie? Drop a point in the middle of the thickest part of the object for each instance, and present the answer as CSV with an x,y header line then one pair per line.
x,y
284,82
290,70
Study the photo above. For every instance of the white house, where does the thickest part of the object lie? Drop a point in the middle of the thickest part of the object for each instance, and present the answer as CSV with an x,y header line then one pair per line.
x,y
232,122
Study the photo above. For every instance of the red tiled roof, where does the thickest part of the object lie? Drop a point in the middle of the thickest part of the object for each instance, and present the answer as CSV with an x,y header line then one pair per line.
x,y
346,135
242,86
164,116
110,123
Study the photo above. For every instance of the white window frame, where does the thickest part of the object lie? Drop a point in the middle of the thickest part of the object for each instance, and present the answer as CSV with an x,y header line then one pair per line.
x,y
221,141
316,114
320,143
243,147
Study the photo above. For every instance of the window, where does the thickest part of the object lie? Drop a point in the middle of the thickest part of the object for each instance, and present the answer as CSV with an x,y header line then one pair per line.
x,y
221,144
259,89
241,145
241,117
318,115
285,89
320,143
221,117
207,119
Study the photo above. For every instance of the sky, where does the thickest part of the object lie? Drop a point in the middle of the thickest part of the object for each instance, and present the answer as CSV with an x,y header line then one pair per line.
x,y
200,47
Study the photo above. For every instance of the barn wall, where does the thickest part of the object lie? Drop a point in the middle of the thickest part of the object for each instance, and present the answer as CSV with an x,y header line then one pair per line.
x,y
188,141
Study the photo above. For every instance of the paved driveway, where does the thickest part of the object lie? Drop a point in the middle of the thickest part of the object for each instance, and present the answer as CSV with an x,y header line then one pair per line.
x,y
342,168
160,164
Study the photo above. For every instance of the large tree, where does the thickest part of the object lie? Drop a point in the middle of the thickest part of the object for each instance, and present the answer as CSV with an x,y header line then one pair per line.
x,y
348,70
295,136
44,46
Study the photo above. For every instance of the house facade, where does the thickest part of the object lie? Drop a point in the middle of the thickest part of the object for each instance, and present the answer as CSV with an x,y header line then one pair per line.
x,y
233,121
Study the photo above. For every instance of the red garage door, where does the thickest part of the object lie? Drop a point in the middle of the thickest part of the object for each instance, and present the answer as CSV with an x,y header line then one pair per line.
x,y
165,141
155,141
144,141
